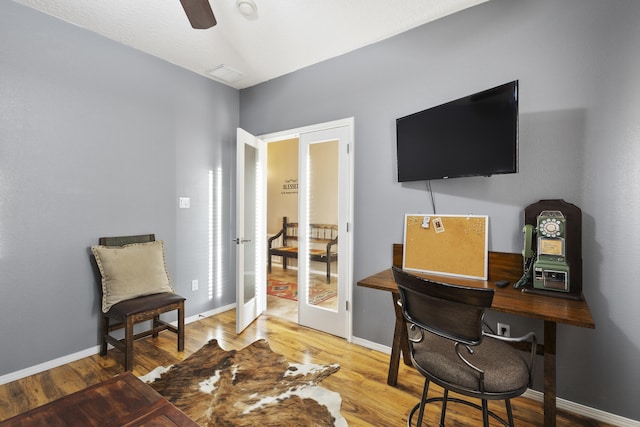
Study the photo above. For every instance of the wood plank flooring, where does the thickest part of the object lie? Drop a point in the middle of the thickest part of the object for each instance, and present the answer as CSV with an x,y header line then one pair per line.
x,y
367,400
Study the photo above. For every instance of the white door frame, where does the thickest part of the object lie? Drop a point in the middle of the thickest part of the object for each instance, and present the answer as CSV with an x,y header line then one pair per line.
x,y
348,265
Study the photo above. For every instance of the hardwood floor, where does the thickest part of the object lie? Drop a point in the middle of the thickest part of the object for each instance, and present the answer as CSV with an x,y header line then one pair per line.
x,y
367,400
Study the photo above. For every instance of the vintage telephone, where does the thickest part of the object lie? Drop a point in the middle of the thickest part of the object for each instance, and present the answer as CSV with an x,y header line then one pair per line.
x,y
552,248
550,268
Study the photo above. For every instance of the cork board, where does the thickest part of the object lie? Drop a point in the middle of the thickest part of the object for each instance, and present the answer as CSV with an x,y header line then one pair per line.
x,y
452,245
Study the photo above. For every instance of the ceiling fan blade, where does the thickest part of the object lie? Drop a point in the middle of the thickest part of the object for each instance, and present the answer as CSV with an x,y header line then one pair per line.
x,y
199,13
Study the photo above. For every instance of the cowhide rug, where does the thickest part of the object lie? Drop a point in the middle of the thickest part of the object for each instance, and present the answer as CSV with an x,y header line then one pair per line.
x,y
249,387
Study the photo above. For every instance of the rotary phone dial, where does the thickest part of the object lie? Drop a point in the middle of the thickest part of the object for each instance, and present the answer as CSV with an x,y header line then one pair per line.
x,y
550,227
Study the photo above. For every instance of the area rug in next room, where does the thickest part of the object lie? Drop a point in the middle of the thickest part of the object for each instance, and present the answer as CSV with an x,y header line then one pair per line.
x,y
249,387
289,290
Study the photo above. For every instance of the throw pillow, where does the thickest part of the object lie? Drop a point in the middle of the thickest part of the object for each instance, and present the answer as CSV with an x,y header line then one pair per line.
x,y
131,271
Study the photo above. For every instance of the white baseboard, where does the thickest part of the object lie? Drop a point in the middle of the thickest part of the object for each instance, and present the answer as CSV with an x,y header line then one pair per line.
x,y
209,313
371,345
12,376
50,364
563,404
586,411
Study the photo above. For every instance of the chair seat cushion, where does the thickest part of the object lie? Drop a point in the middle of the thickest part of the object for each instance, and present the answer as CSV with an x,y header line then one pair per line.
x,y
142,304
506,369
131,271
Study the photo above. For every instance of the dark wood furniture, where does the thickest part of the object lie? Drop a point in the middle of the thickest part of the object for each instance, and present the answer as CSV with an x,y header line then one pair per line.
x,y
323,234
121,401
552,310
127,313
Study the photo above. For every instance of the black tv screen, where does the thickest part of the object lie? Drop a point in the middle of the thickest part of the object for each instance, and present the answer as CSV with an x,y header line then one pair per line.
x,y
472,136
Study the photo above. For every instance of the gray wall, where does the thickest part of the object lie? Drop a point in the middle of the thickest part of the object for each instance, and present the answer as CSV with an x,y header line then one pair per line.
x,y
578,66
99,139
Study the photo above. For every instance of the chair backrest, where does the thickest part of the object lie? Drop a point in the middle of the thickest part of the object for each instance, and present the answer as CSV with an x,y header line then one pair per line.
x,y
126,240
451,311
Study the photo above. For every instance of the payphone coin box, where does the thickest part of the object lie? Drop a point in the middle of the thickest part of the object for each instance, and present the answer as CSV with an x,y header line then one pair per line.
x,y
551,270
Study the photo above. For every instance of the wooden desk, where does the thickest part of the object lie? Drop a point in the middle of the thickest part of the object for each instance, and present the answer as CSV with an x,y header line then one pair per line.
x,y
550,309
120,401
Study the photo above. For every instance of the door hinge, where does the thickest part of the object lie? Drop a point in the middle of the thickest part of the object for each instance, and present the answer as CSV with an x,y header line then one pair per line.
x,y
346,303
347,227
348,148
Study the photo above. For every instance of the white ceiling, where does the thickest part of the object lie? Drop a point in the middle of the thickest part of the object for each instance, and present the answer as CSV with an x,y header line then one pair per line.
x,y
284,36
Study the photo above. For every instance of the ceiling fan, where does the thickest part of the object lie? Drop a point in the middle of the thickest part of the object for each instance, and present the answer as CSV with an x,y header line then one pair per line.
x,y
199,13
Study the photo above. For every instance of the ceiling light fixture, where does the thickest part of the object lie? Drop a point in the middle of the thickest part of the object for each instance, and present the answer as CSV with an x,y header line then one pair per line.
x,y
247,7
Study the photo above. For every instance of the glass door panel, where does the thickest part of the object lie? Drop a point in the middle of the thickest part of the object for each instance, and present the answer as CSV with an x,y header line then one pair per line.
x,y
322,227
250,253
323,212
248,242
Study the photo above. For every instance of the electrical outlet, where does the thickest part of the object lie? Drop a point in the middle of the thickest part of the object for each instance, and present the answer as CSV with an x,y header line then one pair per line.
x,y
194,285
504,330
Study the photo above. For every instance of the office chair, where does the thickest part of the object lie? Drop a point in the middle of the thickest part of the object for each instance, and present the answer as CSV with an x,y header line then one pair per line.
x,y
135,288
449,347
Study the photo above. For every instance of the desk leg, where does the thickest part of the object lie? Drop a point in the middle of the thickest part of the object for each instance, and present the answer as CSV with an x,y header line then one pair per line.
x,y
400,343
549,373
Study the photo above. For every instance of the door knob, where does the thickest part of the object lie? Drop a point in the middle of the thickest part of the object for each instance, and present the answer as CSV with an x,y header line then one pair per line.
x,y
239,240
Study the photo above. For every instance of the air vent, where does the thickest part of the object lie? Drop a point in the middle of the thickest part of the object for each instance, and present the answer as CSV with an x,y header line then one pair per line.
x,y
225,74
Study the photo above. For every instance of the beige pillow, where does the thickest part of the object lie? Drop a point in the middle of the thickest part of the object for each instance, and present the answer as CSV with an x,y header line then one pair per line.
x,y
131,271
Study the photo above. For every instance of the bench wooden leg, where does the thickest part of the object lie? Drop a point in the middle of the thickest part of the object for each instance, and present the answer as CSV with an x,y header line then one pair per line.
x,y
329,271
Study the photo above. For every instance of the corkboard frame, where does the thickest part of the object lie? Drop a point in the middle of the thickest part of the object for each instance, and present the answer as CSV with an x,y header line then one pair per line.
x,y
452,245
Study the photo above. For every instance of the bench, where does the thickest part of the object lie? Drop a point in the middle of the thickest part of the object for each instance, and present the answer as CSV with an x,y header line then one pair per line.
x,y
325,234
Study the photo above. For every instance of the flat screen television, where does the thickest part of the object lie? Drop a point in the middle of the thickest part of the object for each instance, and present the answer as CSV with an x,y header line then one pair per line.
x,y
476,135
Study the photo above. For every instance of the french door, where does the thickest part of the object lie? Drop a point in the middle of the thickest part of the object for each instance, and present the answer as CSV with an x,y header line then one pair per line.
x,y
324,197
327,146
250,229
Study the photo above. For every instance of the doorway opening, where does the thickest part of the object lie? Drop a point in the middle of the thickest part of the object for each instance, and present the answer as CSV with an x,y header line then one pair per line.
x,y
318,180
282,220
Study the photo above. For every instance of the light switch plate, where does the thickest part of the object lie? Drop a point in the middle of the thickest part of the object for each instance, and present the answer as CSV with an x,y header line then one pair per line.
x,y
184,203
